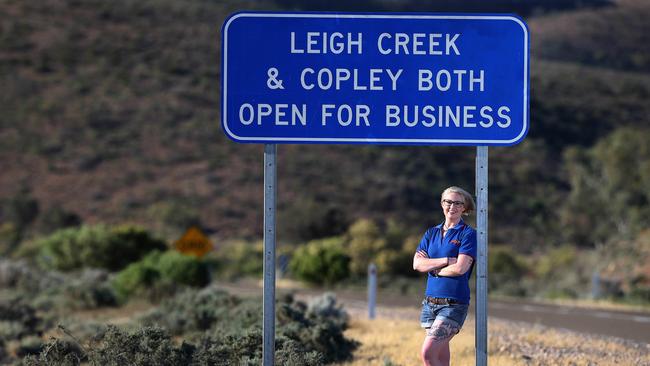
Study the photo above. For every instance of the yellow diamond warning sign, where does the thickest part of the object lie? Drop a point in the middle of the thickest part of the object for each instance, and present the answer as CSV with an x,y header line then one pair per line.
x,y
194,242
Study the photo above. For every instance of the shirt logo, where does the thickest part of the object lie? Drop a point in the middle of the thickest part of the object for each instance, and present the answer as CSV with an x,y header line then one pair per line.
x,y
455,242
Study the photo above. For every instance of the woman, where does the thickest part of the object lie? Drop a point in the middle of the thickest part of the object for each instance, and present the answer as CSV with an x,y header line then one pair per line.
x,y
446,252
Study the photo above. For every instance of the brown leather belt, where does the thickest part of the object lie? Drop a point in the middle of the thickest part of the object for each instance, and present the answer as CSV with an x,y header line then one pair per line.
x,y
440,301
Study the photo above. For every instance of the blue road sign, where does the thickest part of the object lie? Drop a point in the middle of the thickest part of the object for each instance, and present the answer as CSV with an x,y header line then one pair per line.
x,y
407,79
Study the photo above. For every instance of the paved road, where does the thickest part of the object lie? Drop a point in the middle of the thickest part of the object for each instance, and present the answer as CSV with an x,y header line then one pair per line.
x,y
623,324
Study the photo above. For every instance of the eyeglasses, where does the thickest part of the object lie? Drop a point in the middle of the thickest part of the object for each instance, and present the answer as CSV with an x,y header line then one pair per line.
x,y
448,203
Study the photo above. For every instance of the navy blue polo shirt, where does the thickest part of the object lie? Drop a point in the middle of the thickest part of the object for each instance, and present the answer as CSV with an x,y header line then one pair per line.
x,y
460,239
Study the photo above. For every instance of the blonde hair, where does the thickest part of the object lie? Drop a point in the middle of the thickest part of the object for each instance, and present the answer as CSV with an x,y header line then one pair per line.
x,y
470,206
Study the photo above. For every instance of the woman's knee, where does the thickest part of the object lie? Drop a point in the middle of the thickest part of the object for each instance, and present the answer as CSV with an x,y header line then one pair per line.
x,y
431,351
429,355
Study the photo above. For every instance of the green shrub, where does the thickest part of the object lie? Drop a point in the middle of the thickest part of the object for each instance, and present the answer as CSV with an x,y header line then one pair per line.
x,y
639,294
159,270
136,277
365,242
238,258
10,237
183,269
502,262
562,257
396,262
96,246
506,271
321,262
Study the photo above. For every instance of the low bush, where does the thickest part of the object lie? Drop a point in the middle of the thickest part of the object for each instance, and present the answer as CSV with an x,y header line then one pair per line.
x,y
197,311
18,319
319,330
639,294
57,353
180,268
96,247
321,262
46,290
89,289
506,271
325,307
30,345
308,333
238,259
10,237
144,346
159,273
154,346
136,277
399,261
389,245
366,241
4,358
19,275
561,257
226,331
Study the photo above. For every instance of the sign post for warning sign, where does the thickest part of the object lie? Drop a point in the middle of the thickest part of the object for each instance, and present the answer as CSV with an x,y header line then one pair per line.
x,y
401,79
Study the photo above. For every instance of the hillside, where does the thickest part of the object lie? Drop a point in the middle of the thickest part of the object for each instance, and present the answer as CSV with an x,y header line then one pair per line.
x,y
111,112
613,37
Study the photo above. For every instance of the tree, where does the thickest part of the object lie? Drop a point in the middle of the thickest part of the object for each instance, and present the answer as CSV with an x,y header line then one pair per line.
x,y
610,188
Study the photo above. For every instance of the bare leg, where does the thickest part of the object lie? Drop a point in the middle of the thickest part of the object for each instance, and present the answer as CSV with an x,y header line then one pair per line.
x,y
435,348
445,355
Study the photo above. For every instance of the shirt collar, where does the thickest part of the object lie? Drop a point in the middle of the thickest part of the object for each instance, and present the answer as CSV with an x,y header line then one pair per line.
x,y
459,225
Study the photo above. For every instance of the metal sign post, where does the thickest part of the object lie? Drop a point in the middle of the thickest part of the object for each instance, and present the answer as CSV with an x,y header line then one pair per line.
x,y
270,194
372,290
482,257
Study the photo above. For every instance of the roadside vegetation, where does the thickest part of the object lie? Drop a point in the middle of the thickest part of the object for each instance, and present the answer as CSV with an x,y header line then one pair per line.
x,y
188,321
117,128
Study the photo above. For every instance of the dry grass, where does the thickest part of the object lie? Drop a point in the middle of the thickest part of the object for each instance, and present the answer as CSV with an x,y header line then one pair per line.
x,y
392,341
398,341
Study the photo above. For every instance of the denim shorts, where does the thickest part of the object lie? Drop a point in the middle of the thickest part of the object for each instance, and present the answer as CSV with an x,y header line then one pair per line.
x,y
455,313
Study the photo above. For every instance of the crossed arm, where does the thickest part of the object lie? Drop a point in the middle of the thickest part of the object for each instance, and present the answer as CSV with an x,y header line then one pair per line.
x,y
446,266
